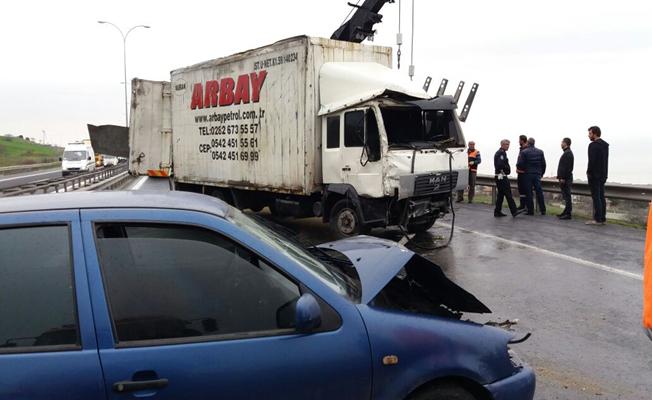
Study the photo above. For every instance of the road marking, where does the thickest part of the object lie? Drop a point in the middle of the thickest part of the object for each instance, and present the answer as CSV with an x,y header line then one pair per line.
x,y
140,183
28,176
553,254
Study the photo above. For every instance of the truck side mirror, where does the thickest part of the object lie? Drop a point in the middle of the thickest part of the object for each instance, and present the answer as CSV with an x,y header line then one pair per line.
x,y
372,137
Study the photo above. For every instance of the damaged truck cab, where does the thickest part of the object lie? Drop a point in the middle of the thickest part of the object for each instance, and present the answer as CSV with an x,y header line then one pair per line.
x,y
307,127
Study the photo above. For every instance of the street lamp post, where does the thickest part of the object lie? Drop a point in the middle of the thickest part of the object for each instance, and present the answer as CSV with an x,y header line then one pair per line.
x,y
124,59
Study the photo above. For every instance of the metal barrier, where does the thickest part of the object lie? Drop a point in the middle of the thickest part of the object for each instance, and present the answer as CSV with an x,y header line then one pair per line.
x,y
27,167
65,184
612,190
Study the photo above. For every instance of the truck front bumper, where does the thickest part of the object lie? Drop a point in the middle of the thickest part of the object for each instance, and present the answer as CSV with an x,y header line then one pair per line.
x,y
518,386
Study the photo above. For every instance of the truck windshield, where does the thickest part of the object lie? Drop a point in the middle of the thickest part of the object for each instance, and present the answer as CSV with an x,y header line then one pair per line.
x,y
74,155
413,127
331,277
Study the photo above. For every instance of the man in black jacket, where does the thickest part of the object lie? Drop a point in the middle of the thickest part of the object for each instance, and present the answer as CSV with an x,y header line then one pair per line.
x,y
502,171
520,175
597,172
565,177
533,164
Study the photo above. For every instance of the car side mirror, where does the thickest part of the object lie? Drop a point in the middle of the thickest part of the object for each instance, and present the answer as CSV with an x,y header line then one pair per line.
x,y
307,314
60,159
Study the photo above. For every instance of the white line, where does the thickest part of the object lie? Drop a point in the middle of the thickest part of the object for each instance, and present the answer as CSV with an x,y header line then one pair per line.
x,y
27,176
552,253
140,183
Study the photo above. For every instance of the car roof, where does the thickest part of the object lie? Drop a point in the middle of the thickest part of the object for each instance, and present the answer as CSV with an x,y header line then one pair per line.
x,y
115,199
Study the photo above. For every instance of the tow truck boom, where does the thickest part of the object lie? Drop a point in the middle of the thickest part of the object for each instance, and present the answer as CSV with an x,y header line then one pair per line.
x,y
360,26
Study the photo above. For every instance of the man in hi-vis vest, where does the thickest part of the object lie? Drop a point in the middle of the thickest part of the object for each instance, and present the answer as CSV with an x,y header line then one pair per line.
x,y
647,278
474,160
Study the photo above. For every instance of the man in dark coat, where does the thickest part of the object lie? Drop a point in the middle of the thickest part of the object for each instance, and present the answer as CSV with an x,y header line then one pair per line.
x,y
565,177
597,172
520,176
533,164
502,171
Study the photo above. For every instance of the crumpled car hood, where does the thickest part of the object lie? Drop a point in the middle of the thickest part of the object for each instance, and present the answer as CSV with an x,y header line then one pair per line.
x,y
378,261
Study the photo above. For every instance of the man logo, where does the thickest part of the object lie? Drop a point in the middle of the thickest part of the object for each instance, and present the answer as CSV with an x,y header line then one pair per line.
x,y
437,181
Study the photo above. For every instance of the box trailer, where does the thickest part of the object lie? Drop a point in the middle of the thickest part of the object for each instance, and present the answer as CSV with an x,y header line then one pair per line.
x,y
308,127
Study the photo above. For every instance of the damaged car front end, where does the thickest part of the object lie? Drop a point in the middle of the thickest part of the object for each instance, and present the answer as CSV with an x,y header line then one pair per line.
x,y
414,317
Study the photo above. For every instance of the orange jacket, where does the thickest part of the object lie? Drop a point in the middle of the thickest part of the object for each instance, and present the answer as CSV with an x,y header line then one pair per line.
x,y
474,160
647,275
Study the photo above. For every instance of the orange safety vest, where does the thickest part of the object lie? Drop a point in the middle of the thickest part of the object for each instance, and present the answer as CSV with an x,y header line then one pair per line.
x,y
472,157
647,275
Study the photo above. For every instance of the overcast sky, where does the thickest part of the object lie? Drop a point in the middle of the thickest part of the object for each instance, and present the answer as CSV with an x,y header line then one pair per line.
x,y
548,70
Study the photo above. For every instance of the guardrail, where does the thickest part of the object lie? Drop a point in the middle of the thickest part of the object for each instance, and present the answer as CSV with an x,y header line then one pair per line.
x,y
66,184
28,167
612,190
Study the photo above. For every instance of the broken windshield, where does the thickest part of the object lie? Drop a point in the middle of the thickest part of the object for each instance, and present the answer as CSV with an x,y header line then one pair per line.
x,y
411,127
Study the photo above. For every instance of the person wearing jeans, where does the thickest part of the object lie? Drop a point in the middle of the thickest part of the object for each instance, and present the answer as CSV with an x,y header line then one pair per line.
x,y
596,173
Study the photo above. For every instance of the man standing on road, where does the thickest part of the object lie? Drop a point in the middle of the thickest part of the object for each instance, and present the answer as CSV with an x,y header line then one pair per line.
x,y
565,177
533,164
502,171
474,160
597,172
520,176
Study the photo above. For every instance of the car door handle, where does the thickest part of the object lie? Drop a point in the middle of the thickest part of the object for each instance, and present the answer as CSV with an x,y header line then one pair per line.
x,y
131,386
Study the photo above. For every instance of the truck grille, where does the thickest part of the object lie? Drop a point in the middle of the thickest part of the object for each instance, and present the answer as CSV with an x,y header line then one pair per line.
x,y
434,183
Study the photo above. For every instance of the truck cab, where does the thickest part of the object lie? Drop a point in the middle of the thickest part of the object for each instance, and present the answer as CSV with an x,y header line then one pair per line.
x,y
396,157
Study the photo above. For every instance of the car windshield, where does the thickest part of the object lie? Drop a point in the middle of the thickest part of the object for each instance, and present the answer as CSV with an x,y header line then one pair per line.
x,y
74,155
413,128
327,272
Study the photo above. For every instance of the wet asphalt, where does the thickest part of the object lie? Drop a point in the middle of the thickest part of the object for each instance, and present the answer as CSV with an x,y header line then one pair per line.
x,y
576,288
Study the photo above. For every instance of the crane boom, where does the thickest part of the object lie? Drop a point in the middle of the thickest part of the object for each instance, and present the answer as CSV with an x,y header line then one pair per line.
x,y
360,26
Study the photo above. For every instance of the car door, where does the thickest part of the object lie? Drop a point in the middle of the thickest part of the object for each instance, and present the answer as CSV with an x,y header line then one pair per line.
x,y
189,306
47,339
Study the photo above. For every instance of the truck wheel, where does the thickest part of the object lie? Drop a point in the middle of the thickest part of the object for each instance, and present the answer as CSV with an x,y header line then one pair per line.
x,y
443,392
345,219
421,225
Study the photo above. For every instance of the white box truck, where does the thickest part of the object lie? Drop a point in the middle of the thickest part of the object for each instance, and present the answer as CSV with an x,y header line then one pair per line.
x,y
308,127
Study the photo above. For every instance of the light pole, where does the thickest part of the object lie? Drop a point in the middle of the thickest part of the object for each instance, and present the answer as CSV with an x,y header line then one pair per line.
x,y
124,59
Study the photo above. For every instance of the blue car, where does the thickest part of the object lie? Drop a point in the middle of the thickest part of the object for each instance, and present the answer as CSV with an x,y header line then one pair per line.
x,y
117,295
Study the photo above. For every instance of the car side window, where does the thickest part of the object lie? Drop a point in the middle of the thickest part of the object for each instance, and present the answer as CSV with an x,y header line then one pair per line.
x,y
37,300
176,281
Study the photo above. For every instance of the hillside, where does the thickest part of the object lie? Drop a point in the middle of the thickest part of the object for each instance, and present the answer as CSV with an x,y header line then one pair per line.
x,y
18,151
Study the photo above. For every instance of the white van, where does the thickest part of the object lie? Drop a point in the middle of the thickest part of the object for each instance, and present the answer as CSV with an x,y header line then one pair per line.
x,y
77,157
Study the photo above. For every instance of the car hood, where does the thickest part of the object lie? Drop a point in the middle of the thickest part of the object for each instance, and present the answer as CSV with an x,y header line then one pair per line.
x,y
378,261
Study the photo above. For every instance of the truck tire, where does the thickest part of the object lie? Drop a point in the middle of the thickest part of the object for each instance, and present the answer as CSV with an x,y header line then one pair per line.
x,y
421,225
345,219
443,392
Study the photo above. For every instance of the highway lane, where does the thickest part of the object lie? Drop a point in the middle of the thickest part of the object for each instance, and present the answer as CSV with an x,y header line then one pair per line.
x,y
27,177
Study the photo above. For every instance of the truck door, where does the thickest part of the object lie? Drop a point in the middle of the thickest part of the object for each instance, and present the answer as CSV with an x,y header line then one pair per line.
x,y
351,151
150,130
360,152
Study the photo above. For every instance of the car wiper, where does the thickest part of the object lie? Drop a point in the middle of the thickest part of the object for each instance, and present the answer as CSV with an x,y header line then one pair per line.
x,y
325,256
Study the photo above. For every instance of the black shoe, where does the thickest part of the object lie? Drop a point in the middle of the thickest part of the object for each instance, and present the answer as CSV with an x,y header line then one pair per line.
x,y
459,200
565,216
560,215
530,213
543,213
518,212
521,207
499,214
